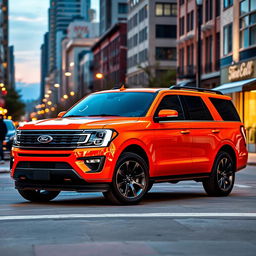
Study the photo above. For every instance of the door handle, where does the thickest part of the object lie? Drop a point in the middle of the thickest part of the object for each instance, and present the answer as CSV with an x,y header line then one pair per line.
x,y
185,132
215,131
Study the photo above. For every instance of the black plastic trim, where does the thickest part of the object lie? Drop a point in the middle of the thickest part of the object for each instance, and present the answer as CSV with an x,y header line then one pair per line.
x,y
180,177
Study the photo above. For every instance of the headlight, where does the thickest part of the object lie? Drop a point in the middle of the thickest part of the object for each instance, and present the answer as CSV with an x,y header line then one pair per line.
x,y
98,138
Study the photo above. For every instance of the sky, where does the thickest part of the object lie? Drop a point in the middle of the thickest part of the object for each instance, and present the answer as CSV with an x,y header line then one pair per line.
x,y
28,23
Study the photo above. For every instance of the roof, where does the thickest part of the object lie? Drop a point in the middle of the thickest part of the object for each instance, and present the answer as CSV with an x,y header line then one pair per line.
x,y
238,86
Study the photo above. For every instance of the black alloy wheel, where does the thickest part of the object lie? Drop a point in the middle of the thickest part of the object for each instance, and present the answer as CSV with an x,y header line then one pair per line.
x,y
130,181
222,178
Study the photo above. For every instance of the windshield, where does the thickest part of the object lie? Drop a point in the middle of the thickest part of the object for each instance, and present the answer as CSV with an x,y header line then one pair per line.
x,y
125,104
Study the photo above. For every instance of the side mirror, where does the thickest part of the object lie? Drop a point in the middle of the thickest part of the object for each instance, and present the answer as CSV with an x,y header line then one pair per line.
x,y
166,114
61,114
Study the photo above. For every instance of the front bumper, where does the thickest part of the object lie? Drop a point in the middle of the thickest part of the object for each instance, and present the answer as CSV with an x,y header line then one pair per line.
x,y
61,168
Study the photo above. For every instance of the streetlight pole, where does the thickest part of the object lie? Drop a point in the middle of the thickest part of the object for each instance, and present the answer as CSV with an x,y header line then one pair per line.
x,y
199,41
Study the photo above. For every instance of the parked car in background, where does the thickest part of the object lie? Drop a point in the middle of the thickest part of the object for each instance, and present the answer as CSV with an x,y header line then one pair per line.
x,y
10,135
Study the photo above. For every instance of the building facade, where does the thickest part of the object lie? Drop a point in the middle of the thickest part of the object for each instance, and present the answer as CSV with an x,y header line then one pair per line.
x,y
187,47
44,64
110,53
151,41
11,67
112,12
238,60
4,43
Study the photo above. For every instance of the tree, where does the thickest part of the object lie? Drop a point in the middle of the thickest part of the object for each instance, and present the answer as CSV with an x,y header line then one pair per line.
x,y
14,105
166,79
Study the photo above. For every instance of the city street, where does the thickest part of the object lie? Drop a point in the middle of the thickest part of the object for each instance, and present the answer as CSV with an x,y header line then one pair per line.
x,y
174,219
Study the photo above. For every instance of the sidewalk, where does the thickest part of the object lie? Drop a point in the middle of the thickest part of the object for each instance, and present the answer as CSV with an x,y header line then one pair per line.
x,y
252,159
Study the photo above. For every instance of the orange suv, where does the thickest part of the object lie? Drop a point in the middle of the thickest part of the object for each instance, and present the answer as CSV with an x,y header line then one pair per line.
x,y
122,141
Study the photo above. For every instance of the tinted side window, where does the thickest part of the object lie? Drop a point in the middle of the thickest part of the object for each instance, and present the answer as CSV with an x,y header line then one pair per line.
x,y
226,109
171,102
196,108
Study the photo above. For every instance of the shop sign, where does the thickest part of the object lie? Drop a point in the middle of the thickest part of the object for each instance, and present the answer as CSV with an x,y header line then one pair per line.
x,y
241,71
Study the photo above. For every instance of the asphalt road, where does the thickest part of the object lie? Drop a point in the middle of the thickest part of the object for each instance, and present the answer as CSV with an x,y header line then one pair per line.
x,y
174,219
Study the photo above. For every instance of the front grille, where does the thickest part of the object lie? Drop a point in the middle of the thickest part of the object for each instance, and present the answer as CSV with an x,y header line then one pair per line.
x,y
43,165
61,139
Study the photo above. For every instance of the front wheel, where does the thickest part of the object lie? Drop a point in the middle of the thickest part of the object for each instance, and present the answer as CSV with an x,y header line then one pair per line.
x,y
222,178
130,181
38,195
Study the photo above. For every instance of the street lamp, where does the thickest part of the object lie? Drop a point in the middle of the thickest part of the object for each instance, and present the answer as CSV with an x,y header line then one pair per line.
x,y
68,74
199,48
99,76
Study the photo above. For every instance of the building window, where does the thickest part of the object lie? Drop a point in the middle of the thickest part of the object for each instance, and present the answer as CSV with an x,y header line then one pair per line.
x,y
217,8
208,54
190,55
182,2
143,35
166,31
181,26
122,8
208,10
227,39
227,3
181,61
165,53
247,23
166,9
143,13
190,21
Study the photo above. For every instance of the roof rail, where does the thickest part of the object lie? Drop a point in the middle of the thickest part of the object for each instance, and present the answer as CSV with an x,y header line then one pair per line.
x,y
174,87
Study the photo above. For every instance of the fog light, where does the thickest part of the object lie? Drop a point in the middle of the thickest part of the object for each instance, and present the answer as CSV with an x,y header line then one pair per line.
x,y
95,164
92,161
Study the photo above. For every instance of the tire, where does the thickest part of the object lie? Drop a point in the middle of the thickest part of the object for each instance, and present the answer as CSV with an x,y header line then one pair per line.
x,y
38,195
222,178
130,180
150,185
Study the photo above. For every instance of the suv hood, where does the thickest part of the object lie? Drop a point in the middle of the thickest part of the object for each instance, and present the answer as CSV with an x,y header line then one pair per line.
x,y
75,123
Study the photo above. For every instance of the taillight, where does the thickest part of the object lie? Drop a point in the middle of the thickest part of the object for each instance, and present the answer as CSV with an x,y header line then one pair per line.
x,y
243,132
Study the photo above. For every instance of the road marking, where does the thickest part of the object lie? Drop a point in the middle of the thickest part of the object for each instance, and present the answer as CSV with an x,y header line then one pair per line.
x,y
127,215
242,186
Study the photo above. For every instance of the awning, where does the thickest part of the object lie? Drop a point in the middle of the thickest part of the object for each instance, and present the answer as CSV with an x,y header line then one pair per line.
x,y
239,86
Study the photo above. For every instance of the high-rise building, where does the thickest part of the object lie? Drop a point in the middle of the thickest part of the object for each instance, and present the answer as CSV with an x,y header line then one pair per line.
x,y
4,42
112,12
151,41
61,14
11,67
187,47
86,10
44,63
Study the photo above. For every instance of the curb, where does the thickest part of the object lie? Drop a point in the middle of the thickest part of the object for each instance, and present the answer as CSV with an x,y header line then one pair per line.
x,y
252,163
4,171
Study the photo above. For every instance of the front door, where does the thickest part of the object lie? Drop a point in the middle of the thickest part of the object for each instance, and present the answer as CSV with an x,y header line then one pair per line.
x,y
173,140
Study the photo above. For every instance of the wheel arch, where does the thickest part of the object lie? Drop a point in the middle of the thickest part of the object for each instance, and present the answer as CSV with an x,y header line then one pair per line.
x,y
230,150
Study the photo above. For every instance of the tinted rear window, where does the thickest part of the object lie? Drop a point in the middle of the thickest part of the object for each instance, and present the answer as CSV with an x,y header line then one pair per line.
x,y
226,109
196,108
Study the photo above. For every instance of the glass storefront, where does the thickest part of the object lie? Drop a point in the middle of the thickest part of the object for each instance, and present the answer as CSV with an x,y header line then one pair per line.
x,y
245,103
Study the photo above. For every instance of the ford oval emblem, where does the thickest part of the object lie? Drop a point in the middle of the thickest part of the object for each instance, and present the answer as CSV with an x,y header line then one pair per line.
x,y
45,139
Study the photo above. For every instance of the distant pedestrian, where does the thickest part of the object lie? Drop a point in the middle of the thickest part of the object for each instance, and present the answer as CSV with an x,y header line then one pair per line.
x,y
3,131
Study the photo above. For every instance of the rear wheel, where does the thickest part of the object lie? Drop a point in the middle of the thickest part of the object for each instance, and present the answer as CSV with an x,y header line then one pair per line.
x,y
38,195
130,180
222,178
